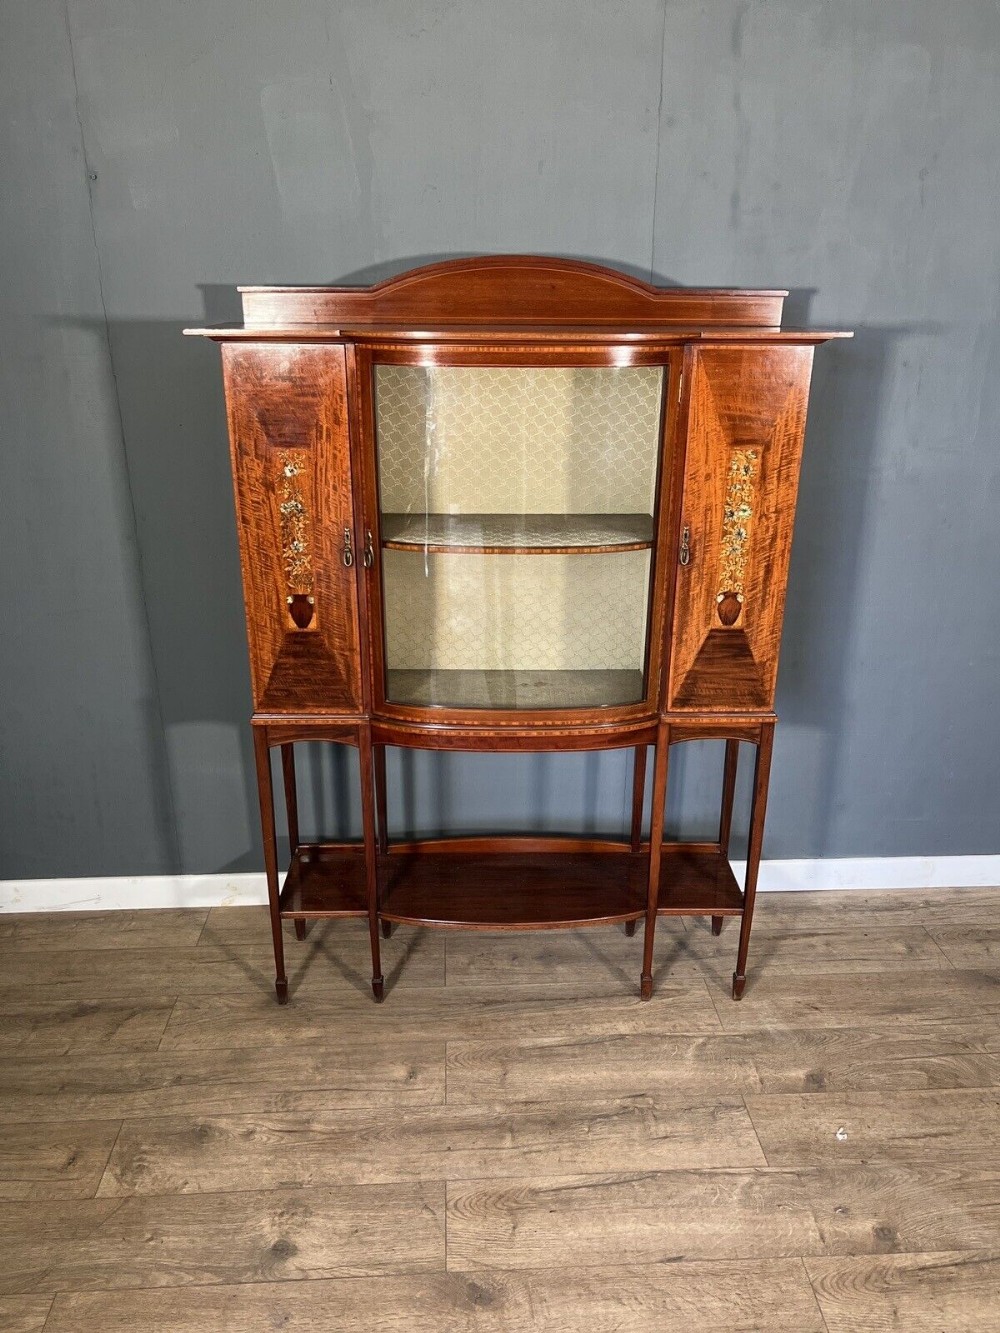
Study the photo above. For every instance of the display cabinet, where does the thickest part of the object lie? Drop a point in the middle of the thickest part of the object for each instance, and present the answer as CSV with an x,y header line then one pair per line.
x,y
514,503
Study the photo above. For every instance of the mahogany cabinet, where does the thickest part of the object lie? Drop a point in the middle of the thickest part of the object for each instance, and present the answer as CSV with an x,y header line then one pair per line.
x,y
514,503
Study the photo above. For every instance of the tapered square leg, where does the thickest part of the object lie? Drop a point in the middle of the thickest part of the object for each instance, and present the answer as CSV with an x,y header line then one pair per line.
x,y
291,793
761,776
292,813
630,928
638,795
381,804
371,855
728,794
660,766
726,812
265,792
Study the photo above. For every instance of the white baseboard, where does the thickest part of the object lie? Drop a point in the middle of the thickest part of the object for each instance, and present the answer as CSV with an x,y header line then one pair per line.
x,y
118,892
113,893
877,872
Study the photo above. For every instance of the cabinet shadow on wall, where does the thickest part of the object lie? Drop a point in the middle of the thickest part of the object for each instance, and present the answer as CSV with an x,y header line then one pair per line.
x,y
176,453
825,615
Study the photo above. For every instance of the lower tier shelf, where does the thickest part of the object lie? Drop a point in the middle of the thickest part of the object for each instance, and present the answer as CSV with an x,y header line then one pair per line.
x,y
513,890
325,879
697,883
463,886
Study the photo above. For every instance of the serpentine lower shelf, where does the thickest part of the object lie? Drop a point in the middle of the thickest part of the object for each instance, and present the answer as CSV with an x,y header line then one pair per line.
x,y
526,883
517,534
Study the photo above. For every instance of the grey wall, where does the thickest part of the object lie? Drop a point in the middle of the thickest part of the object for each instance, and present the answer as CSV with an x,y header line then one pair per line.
x,y
157,154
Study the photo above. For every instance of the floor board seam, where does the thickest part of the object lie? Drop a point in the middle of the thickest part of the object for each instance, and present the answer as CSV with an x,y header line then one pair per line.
x,y
715,1006
48,1313
815,1294
708,991
446,1185
174,1287
849,1167
166,1025
355,1184
767,1160
204,925
930,935
107,1163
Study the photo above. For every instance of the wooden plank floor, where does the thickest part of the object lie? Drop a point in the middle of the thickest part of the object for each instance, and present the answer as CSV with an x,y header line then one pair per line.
x,y
513,1141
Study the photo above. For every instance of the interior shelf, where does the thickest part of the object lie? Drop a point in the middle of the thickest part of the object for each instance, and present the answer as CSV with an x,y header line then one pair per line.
x,y
325,879
697,883
466,885
518,534
514,689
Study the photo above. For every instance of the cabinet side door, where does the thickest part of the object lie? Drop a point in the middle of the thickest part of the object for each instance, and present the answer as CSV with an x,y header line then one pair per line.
x,y
745,427
288,430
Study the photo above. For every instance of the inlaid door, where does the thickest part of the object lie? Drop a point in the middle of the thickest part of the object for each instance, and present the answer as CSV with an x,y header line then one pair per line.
x,y
746,417
288,428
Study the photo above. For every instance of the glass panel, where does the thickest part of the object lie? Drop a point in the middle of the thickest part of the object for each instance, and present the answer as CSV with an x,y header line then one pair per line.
x,y
517,530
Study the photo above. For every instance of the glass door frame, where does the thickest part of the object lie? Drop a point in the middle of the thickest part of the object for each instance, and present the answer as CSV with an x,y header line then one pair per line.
x,y
529,354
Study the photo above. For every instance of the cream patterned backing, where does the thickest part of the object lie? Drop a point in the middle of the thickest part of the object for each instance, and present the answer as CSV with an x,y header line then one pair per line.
x,y
515,612
518,440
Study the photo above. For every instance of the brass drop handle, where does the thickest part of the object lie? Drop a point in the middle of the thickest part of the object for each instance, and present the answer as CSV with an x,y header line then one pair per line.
x,y
348,548
685,552
369,550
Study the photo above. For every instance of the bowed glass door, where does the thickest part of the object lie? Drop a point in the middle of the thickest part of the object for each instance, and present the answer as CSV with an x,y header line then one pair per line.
x,y
517,521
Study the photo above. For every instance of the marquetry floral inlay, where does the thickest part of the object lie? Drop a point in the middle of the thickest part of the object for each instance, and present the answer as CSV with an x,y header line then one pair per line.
x,y
295,551
737,517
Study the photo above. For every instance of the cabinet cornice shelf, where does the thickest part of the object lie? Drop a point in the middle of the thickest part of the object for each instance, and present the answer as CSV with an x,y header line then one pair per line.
x,y
658,432
518,534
